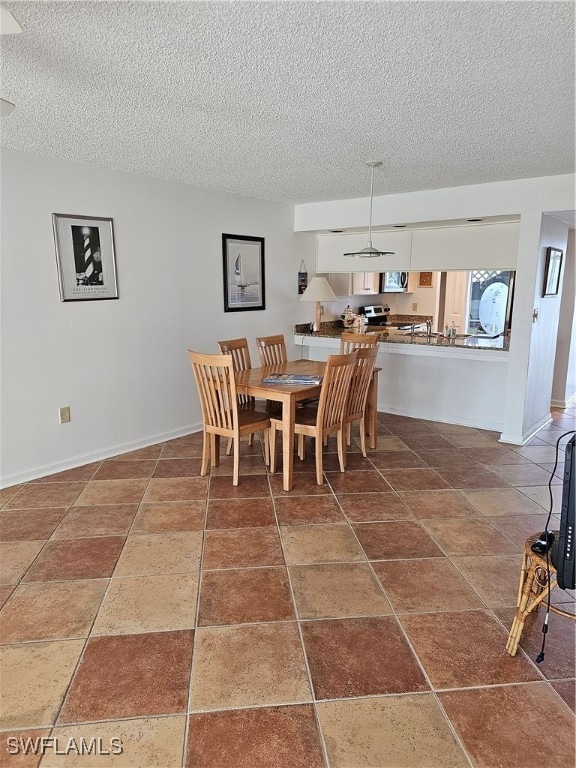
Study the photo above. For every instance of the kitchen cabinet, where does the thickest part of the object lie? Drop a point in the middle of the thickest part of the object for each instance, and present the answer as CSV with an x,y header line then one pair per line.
x,y
330,250
483,246
340,282
365,283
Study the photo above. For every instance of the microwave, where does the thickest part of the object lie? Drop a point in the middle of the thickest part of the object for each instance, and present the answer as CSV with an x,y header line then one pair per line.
x,y
393,282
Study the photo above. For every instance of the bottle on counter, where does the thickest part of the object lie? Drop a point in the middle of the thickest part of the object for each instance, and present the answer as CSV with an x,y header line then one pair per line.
x,y
453,330
446,332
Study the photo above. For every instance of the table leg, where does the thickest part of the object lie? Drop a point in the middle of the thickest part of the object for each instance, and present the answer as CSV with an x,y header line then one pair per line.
x,y
372,411
288,419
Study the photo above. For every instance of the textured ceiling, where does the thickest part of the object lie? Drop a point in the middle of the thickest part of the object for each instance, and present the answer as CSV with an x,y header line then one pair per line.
x,y
287,100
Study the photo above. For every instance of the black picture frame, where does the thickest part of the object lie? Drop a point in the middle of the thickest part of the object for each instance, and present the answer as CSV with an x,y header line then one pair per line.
x,y
85,257
243,271
552,271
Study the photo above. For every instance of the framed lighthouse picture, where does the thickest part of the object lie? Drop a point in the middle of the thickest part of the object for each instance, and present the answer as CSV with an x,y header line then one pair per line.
x,y
85,257
243,273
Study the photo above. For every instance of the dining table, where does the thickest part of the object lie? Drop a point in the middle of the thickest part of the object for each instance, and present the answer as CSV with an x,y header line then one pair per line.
x,y
251,382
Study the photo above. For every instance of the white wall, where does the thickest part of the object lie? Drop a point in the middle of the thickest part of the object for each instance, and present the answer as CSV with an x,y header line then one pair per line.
x,y
564,384
122,366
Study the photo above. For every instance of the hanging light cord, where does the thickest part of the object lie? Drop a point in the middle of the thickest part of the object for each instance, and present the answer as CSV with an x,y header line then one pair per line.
x,y
371,199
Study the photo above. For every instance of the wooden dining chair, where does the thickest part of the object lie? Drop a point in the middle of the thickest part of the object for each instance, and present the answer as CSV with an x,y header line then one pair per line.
x,y
271,349
350,341
238,348
327,419
358,394
214,376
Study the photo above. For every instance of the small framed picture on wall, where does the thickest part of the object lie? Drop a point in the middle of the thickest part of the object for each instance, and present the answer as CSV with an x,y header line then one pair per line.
x,y
552,272
425,280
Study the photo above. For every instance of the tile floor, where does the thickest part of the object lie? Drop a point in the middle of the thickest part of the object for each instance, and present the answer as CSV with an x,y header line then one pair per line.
x,y
361,623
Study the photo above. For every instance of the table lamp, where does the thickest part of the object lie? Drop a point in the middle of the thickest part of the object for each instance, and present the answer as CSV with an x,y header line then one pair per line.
x,y
318,290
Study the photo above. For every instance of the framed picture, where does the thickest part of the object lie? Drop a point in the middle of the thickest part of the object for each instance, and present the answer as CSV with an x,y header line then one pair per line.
x,y
243,273
85,257
425,280
552,271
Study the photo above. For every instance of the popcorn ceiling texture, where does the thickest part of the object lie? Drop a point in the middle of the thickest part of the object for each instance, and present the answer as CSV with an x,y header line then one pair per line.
x,y
286,101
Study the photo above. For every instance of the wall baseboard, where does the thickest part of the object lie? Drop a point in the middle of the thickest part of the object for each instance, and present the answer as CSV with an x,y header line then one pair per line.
x,y
413,413
532,432
564,403
87,458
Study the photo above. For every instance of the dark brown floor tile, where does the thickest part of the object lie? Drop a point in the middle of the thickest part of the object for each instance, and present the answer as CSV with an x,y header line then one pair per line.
x,y
354,462
566,689
30,524
242,596
92,558
411,427
307,544
426,442
8,493
499,454
407,731
183,447
143,454
560,649
5,592
431,504
242,548
357,482
249,487
304,485
414,479
518,528
35,495
471,477
8,740
504,726
369,507
443,457
51,611
302,510
360,657
525,474
98,520
83,473
129,676
116,469
240,513
464,649
275,737
176,489
178,468
249,465
415,586
170,516
468,537
494,577
249,665
395,540
396,460
112,492
337,590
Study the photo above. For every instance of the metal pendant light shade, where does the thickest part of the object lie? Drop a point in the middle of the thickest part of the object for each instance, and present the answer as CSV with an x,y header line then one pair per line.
x,y
370,252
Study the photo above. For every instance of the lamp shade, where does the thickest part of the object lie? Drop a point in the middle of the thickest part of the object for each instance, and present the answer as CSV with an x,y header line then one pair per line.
x,y
318,290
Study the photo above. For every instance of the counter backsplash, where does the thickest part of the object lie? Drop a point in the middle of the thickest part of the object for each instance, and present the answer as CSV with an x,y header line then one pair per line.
x,y
305,327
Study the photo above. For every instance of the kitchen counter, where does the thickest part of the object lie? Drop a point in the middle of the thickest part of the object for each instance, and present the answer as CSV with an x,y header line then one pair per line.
x,y
391,335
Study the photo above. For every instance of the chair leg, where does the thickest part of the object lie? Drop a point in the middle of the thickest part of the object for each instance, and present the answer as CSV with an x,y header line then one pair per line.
x,y
215,449
251,439
319,475
205,454
229,447
273,448
236,461
362,436
349,434
301,447
266,438
341,440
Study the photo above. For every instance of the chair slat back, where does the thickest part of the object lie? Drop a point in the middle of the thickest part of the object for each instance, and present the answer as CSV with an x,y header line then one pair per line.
x,y
238,348
214,376
335,389
350,341
361,378
271,349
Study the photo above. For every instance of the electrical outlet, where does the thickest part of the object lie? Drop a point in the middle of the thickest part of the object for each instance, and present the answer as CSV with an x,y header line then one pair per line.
x,y
64,414
414,307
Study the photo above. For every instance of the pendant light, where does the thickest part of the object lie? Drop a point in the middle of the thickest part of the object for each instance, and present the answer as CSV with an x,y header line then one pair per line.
x,y
369,252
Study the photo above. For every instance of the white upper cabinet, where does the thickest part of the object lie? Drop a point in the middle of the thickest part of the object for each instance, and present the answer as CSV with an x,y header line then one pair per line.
x,y
331,249
365,283
490,246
